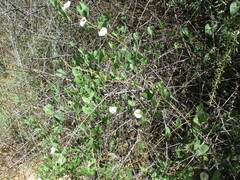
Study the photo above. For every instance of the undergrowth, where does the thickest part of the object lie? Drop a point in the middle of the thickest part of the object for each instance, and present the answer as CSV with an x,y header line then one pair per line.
x,y
132,89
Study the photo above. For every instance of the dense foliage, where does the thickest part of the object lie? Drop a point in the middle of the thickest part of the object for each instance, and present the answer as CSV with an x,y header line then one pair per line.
x,y
129,89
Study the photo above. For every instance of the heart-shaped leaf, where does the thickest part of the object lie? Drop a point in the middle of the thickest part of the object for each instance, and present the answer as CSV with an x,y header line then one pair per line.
x,y
234,7
83,9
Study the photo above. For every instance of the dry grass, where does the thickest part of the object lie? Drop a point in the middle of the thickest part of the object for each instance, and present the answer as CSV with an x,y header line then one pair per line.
x,y
16,100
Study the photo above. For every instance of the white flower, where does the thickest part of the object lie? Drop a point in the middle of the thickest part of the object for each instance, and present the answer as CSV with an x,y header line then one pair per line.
x,y
83,21
53,149
102,32
138,113
66,5
39,178
112,109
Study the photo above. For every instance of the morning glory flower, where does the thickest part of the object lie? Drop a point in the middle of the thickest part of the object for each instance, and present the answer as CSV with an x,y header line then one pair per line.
x,y
138,113
83,21
102,32
53,149
112,109
66,5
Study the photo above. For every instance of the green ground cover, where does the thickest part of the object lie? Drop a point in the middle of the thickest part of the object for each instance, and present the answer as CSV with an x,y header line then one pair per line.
x,y
123,89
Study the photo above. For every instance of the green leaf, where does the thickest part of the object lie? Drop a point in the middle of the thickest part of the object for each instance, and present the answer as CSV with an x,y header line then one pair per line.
x,y
41,131
98,55
86,99
130,59
76,72
131,102
27,122
204,176
96,131
202,149
205,158
168,132
91,162
160,86
135,47
87,109
161,26
112,45
202,116
166,94
216,175
83,9
163,91
48,109
89,173
148,93
144,117
136,36
89,142
182,2
61,73
58,6
144,169
208,30
176,46
78,81
89,91
60,118
61,160
178,122
234,8
196,120
121,29
185,31
53,2
150,30
57,128
207,57
104,20
64,14
72,44
196,144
